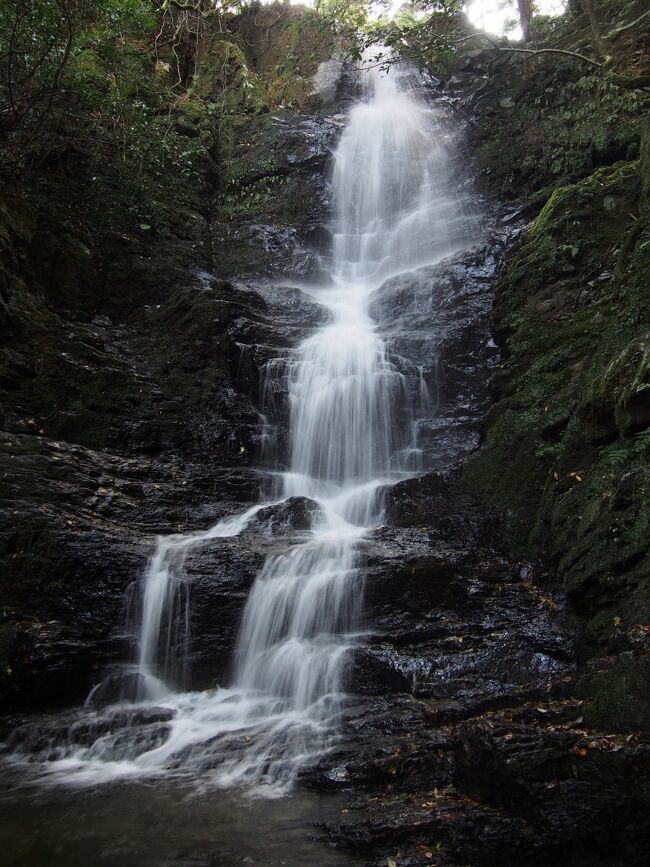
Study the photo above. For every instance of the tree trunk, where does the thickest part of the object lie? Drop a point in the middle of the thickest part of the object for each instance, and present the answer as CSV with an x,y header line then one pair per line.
x,y
599,48
525,14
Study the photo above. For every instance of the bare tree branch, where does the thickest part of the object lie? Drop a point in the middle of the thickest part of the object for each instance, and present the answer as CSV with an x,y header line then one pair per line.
x,y
531,51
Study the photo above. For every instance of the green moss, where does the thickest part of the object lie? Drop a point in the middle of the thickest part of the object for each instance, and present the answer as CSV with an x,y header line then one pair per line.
x,y
645,166
285,46
562,125
88,68
566,440
619,695
619,400
224,78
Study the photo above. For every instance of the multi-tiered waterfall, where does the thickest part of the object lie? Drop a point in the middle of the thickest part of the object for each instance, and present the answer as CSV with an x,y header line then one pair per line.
x,y
395,209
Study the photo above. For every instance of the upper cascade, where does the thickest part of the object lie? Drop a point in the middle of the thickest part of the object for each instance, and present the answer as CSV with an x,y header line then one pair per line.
x,y
395,207
396,203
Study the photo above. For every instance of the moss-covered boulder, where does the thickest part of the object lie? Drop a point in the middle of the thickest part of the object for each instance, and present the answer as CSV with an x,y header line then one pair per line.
x,y
619,690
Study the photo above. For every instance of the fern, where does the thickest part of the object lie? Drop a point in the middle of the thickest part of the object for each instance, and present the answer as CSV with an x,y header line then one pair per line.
x,y
641,442
615,456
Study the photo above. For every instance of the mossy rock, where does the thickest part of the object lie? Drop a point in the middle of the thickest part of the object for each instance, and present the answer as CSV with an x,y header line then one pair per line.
x,y
645,166
285,45
88,67
618,402
66,268
565,440
551,122
224,78
619,695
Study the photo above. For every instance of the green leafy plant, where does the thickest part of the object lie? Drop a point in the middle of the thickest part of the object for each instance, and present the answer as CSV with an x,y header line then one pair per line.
x,y
641,442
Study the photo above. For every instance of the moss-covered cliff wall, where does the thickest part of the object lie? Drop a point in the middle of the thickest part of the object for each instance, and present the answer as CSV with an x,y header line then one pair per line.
x,y
566,441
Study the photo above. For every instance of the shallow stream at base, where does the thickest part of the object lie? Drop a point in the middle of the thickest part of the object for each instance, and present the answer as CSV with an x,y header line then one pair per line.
x,y
153,824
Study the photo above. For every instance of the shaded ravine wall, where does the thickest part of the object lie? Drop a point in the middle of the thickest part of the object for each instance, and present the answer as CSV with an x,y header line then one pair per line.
x,y
567,440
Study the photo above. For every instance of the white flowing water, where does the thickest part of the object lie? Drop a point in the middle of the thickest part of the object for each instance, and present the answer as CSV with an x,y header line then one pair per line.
x,y
395,209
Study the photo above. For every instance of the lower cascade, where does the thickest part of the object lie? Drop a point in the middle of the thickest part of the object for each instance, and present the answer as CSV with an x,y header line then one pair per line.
x,y
352,418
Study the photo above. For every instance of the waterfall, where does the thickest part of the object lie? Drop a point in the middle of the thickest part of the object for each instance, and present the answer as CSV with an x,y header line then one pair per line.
x,y
395,208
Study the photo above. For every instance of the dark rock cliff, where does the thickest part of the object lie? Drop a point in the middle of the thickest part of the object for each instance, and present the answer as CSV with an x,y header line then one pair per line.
x,y
130,368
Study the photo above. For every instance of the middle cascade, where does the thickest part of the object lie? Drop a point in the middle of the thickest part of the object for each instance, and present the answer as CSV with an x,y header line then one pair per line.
x,y
395,209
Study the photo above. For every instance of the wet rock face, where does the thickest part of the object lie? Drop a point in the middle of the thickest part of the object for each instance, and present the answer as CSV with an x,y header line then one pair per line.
x,y
142,426
107,732
436,322
458,635
221,574
294,514
468,739
277,198
79,524
453,616
521,785
77,534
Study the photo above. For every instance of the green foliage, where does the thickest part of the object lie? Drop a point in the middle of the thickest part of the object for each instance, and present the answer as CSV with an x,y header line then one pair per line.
x,y
563,125
578,121
641,443
78,75
252,199
421,31
345,14
424,33
615,456
68,69
547,451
